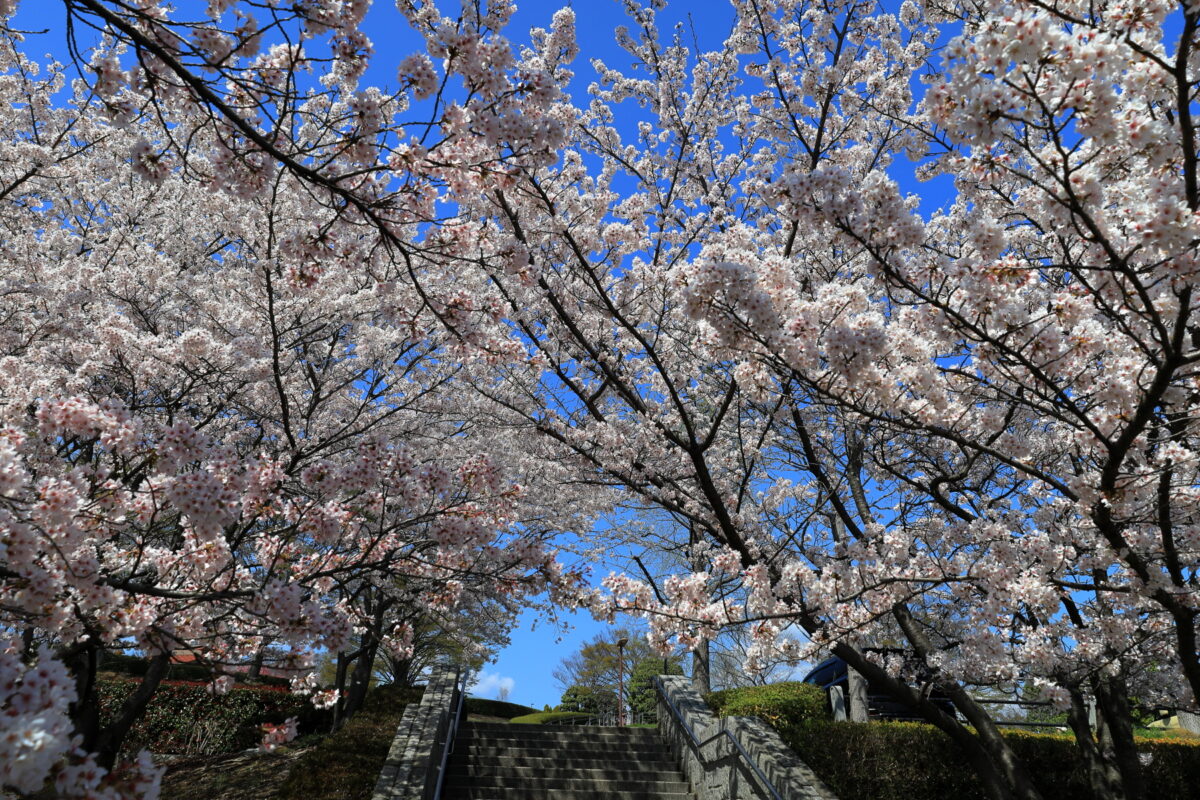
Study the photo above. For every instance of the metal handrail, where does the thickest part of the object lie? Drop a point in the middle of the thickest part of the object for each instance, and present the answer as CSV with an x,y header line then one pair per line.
x,y
460,682
699,744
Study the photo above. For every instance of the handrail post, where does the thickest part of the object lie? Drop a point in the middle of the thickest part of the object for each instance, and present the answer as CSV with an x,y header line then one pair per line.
x,y
738,751
454,714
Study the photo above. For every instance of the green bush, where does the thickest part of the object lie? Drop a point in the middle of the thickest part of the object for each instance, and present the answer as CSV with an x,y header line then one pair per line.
x,y
184,718
496,708
549,718
783,705
902,760
346,764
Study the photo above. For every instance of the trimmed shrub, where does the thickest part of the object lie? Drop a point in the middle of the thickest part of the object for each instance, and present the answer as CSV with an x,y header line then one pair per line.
x,y
549,718
903,760
783,705
184,718
346,764
496,708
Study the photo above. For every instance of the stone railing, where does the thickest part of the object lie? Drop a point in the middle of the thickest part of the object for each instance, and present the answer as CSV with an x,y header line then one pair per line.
x,y
731,758
411,769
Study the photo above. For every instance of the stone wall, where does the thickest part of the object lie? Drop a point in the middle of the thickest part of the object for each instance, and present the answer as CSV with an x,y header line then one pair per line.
x,y
715,768
410,770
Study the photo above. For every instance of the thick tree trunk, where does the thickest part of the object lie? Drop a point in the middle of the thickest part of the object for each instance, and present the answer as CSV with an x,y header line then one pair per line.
x,y
1113,701
1103,779
996,784
402,671
360,679
986,736
83,661
1113,710
339,684
108,742
701,668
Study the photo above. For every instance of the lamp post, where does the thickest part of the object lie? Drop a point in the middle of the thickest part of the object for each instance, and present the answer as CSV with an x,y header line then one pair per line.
x,y
621,680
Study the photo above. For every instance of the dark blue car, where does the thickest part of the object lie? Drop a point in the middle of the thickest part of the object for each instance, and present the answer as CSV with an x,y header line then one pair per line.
x,y
834,671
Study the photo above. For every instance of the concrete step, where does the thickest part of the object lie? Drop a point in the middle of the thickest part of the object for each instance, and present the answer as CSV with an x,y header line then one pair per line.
x,y
614,743
653,762
565,784
546,732
554,769
498,761
490,793
504,726
491,750
590,743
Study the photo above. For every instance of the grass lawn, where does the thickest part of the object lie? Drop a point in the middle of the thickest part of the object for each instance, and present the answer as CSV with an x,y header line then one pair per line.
x,y
340,766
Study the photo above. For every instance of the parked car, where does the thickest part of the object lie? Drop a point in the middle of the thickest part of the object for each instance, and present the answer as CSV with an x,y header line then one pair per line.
x,y
880,705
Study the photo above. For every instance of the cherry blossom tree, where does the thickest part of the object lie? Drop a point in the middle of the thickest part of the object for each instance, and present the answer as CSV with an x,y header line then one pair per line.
x,y
891,426
1020,367
968,430
225,413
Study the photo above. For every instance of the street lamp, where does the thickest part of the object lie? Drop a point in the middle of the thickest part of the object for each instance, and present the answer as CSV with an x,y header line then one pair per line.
x,y
621,680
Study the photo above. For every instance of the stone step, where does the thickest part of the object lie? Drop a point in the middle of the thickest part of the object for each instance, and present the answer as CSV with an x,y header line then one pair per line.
x,y
557,794
487,750
554,769
562,733
565,784
653,762
499,726
499,761
590,743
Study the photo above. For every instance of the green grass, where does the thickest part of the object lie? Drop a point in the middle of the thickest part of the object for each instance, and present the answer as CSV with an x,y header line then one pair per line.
x,y
496,708
346,764
548,717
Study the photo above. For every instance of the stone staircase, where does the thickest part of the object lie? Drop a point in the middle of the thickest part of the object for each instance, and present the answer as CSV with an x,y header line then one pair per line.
x,y
497,761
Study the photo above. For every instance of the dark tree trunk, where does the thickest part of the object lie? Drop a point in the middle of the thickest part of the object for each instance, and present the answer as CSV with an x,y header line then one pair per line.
x,y
108,742
1008,775
339,684
256,665
402,671
1114,704
1115,720
360,680
1103,778
996,784
83,660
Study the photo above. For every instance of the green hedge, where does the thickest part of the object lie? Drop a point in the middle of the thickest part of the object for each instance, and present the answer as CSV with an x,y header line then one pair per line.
x,y
496,708
903,760
184,718
783,705
346,764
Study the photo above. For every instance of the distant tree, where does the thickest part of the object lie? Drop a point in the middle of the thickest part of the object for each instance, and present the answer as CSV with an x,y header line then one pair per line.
x,y
588,700
590,676
468,636
642,699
